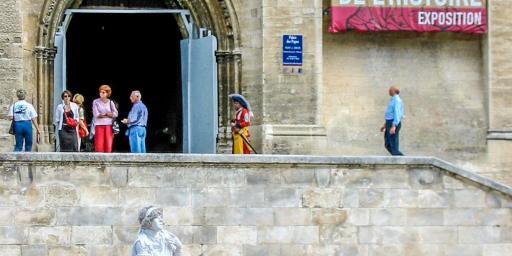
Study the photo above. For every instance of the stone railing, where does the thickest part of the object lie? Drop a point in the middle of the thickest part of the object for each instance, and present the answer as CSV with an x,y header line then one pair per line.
x,y
86,204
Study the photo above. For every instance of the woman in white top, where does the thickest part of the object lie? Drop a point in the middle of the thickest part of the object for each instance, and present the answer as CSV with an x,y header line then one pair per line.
x,y
66,119
24,115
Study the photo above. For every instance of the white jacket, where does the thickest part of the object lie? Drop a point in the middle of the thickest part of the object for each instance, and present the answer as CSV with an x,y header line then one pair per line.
x,y
59,114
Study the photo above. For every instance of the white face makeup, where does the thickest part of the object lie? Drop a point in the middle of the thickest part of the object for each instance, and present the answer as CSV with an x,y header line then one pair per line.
x,y
157,224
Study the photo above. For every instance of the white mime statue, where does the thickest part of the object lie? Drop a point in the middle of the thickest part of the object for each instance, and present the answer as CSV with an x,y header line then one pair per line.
x,y
153,239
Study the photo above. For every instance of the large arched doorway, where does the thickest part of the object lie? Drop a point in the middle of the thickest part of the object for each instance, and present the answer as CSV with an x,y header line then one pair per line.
x,y
217,16
130,52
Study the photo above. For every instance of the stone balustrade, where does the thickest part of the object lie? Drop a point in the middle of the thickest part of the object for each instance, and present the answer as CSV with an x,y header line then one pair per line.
x,y
86,204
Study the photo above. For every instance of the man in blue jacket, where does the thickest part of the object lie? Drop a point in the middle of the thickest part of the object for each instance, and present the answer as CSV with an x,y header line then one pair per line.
x,y
137,121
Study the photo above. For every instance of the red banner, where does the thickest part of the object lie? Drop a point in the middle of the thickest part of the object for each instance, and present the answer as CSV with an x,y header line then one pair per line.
x,y
426,18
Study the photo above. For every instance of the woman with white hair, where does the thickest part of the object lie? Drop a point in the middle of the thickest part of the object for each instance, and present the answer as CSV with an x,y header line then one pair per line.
x,y
24,115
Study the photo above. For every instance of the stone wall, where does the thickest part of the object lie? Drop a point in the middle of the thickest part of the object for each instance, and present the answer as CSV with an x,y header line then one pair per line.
x,y
11,62
441,82
454,88
69,204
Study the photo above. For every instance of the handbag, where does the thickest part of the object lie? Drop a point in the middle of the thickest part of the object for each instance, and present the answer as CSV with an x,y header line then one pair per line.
x,y
70,121
11,129
115,125
81,131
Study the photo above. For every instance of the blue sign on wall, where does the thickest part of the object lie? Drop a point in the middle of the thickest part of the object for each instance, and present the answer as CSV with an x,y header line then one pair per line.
x,y
292,50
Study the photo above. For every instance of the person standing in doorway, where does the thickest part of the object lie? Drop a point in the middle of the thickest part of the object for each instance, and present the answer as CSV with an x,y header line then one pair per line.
x,y
83,132
137,121
24,115
240,124
393,122
104,111
66,120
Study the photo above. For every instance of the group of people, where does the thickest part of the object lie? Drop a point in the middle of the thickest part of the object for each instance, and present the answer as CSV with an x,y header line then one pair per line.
x,y
70,122
71,125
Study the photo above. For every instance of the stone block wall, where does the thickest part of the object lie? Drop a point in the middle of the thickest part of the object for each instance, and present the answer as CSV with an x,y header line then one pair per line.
x,y
11,65
87,205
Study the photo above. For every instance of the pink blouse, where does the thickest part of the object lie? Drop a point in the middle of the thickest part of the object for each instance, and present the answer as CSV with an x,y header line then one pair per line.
x,y
100,107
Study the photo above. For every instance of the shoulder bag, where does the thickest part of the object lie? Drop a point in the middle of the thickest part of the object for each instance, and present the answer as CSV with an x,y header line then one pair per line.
x,y
11,129
115,125
71,122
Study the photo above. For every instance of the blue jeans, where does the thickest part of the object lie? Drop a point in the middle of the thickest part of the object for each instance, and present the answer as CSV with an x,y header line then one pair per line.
x,y
391,141
137,137
23,132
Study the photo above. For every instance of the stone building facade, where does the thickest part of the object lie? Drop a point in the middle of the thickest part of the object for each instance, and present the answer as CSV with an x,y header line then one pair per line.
x,y
454,86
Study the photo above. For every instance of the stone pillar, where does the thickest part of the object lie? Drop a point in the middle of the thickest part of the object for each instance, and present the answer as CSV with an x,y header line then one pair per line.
x,y
291,111
228,63
499,64
43,104
498,56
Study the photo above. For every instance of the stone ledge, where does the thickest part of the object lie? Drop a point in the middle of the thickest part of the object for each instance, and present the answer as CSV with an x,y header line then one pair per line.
x,y
247,160
294,130
499,135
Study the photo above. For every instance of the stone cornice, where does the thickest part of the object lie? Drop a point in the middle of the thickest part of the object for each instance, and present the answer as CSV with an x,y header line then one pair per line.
x,y
247,161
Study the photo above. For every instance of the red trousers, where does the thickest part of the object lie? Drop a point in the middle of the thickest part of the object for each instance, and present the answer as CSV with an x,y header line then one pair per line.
x,y
103,138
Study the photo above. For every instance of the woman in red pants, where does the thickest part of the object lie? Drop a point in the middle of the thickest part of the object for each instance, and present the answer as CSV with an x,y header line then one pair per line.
x,y
104,112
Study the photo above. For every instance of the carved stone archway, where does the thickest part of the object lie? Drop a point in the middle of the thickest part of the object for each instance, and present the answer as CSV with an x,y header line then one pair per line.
x,y
219,16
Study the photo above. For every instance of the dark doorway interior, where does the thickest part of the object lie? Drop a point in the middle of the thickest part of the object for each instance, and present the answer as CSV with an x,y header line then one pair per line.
x,y
130,52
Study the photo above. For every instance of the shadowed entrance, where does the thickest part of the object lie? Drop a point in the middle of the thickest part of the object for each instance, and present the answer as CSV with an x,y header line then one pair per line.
x,y
130,52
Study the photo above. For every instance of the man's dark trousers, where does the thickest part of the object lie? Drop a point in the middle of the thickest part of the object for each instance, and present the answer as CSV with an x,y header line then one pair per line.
x,y
391,141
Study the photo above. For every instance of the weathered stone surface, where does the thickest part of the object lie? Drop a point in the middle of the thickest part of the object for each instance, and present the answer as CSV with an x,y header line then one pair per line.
x,y
338,234
175,197
222,216
91,235
134,197
257,216
58,195
282,197
480,235
13,235
252,196
287,235
304,177
292,217
210,197
99,196
469,198
223,250
125,235
73,250
183,216
38,216
328,198
329,216
10,250
438,235
34,250
425,217
388,217
425,178
261,249
237,235
92,216
60,235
